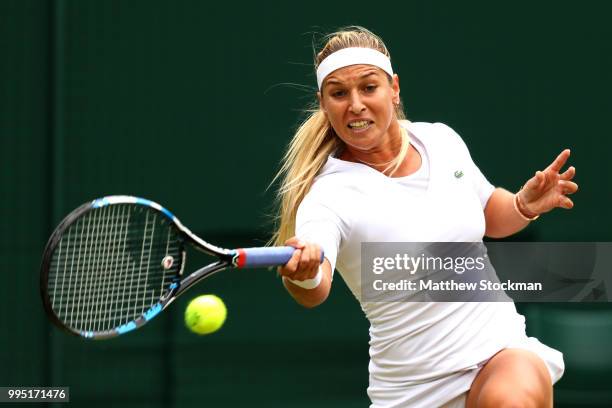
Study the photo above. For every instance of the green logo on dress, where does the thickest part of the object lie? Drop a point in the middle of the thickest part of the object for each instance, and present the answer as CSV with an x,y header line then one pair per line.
x,y
458,174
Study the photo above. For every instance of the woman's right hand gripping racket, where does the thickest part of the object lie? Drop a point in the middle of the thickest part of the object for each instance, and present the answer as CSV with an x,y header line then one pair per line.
x,y
114,263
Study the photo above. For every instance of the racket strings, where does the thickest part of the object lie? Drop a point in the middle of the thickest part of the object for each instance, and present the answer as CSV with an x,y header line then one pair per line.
x,y
107,269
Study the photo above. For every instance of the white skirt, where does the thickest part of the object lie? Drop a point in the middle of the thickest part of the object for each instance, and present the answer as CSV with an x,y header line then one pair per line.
x,y
451,391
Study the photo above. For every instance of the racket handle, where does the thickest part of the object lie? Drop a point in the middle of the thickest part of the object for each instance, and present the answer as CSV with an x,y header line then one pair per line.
x,y
263,257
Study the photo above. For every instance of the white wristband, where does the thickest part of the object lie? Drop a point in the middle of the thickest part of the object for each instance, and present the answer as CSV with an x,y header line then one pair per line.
x,y
309,283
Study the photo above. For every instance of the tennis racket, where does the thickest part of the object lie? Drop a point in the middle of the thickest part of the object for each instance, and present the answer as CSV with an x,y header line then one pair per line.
x,y
115,263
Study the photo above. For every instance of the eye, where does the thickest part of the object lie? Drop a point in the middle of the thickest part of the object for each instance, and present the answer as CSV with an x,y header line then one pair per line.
x,y
370,88
337,93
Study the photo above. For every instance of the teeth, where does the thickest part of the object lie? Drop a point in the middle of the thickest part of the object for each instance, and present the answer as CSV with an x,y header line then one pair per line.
x,y
359,124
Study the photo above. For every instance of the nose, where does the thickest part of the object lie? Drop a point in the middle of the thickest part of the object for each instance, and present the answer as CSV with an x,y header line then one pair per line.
x,y
356,105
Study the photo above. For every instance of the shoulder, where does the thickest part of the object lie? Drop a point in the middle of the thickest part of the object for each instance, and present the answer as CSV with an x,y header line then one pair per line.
x,y
432,131
332,190
339,176
327,187
325,203
337,186
438,138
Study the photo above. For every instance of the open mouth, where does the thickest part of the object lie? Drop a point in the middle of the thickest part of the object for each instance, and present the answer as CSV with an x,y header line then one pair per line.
x,y
359,125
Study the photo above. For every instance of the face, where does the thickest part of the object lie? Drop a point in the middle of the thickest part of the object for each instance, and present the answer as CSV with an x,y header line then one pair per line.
x,y
358,100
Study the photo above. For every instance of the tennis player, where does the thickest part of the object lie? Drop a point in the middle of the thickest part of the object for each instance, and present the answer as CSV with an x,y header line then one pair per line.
x,y
358,171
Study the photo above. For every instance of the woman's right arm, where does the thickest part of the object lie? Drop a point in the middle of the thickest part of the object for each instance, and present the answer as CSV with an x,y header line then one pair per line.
x,y
304,265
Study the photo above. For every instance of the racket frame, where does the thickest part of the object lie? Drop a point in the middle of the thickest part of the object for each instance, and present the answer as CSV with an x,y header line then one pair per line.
x,y
226,259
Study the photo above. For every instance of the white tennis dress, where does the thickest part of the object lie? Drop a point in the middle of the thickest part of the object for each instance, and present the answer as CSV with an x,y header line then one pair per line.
x,y
421,354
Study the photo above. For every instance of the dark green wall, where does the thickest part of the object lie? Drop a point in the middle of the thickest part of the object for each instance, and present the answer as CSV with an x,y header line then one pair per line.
x,y
188,103
24,188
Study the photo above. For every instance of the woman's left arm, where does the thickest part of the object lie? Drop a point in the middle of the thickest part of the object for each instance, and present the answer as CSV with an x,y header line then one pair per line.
x,y
508,213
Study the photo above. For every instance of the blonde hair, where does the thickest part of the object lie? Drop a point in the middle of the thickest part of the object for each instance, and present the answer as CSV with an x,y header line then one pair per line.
x,y
315,138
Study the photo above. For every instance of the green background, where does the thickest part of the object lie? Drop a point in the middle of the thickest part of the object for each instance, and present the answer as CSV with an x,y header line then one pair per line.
x,y
191,104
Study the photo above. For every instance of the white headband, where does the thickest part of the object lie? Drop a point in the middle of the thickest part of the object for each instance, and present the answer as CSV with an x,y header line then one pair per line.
x,y
352,56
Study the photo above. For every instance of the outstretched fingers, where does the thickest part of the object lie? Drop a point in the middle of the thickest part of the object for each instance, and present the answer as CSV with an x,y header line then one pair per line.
x,y
565,202
568,187
549,188
560,161
568,174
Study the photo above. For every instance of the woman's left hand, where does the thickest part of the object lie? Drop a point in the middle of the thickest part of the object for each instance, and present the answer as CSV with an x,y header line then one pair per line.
x,y
549,188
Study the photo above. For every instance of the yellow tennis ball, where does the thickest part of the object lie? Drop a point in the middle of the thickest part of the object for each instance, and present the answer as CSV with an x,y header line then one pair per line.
x,y
205,314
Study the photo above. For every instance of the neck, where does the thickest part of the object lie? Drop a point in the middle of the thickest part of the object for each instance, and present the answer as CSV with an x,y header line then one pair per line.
x,y
384,157
383,164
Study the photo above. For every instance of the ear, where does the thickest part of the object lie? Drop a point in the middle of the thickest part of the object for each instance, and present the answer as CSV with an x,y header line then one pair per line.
x,y
396,89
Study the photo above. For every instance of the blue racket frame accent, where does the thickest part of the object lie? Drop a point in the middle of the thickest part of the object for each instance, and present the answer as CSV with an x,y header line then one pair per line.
x,y
153,204
108,200
126,327
153,311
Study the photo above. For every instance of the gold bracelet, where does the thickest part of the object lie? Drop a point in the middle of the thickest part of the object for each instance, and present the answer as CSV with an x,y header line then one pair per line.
x,y
517,206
